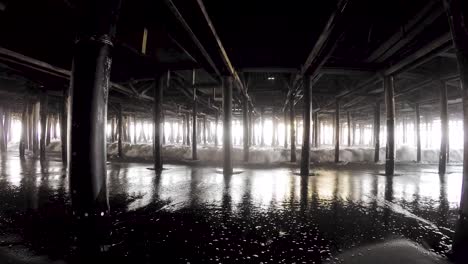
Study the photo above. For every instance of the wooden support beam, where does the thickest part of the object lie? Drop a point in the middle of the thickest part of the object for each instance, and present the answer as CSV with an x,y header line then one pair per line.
x,y
444,128
120,130
29,127
316,129
292,129
35,128
273,128
348,120
49,129
184,130
262,122
285,122
175,11
64,127
432,49
89,90
322,49
418,133
223,54
194,118
7,126
163,125
204,130
337,131
208,132
326,42
187,127
254,133
251,128
43,120
245,120
3,142
158,123
354,133
134,130
56,122
112,133
24,133
307,103
390,110
227,125
407,32
194,130
377,132
14,58
199,130
216,129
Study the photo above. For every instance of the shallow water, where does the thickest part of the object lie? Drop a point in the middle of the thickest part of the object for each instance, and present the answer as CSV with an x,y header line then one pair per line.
x,y
193,214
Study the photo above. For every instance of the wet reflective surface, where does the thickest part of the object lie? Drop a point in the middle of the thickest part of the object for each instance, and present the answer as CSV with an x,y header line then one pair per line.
x,y
264,215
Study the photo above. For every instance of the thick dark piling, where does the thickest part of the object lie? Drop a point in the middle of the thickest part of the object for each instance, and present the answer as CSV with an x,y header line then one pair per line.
x,y
390,110
292,129
89,87
157,123
443,127
305,154
376,132
227,125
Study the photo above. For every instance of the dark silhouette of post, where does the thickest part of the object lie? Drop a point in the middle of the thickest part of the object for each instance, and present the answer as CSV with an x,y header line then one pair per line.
x,y
227,125
89,88
120,130
134,129
56,120
30,123
354,133
337,131
285,128
43,120
254,135
24,133
317,130
307,103
187,127
292,129
35,128
443,127
194,130
216,129
124,129
274,128
403,122
245,119
184,130
348,121
376,132
418,133
157,122
456,11
194,118
49,129
250,109
3,148
262,122
64,127
163,130
390,110
112,133
204,130
7,127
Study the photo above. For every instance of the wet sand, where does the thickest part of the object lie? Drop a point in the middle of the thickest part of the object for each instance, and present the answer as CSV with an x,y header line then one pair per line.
x,y
191,214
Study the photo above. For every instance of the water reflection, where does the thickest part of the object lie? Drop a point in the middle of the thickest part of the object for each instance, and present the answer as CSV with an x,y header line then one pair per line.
x,y
332,211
